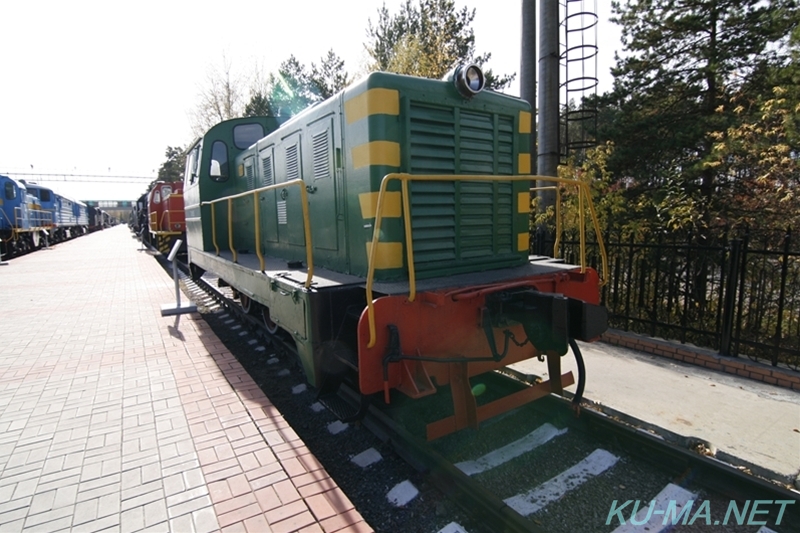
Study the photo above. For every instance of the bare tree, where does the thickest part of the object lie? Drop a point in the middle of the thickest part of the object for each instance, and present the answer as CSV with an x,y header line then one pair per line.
x,y
220,99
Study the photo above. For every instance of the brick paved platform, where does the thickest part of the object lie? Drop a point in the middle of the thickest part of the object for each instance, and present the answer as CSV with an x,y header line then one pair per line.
x,y
113,418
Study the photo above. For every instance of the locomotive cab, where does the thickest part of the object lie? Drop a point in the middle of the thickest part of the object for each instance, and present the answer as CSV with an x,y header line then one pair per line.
x,y
165,208
45,205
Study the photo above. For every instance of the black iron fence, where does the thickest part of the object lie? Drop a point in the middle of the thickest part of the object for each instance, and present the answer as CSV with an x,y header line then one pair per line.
x,y
735,293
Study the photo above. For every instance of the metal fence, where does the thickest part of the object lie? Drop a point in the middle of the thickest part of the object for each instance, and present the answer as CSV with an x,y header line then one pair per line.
x,y
735,293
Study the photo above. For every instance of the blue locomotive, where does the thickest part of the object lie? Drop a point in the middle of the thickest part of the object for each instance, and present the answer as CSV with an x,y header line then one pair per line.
x,y
32,215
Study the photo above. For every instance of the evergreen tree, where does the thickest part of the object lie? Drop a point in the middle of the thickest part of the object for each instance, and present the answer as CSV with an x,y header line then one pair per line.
x,y
172,168
259,105
329,77
684,60
294,87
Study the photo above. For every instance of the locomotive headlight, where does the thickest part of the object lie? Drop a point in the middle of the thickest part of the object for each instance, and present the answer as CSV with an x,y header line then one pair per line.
x,y
474,78
469,79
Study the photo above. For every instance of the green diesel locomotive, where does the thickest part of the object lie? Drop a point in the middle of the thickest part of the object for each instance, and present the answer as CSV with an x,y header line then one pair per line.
x,y
387,231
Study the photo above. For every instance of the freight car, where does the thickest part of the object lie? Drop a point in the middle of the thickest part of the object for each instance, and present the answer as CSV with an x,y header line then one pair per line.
x,y
387,231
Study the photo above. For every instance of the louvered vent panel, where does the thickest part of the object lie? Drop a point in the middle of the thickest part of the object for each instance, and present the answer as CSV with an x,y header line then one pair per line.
x,y
250,176
321,155
477,143
505,146
433,215
465,222
477,230
266,171
292,163
505,215
282,213
433,140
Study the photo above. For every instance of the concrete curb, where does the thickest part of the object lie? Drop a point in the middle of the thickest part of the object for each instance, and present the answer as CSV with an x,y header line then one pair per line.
x,y
688,353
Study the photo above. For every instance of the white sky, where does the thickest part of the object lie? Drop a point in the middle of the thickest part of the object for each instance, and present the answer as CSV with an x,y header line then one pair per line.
x,y
103,87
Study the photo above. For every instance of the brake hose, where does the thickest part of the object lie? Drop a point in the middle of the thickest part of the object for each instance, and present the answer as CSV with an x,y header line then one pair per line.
x,y
576,400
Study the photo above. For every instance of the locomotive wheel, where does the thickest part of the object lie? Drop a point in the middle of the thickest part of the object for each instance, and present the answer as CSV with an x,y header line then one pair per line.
x,y
271,326
196,271
246,303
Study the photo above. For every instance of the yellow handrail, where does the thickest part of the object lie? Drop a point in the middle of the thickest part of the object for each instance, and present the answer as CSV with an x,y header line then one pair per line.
x,y
230,231
257,214
558,214
583,192
257,221
214,228
409,241
164,215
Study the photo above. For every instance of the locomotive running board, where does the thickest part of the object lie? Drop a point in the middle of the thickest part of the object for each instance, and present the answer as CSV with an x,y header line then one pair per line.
x,y
468,414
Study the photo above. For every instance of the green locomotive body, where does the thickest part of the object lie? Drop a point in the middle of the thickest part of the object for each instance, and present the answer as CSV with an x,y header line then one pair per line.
x,y
394,181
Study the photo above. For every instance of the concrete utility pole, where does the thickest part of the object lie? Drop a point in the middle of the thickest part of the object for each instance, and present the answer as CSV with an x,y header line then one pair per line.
x,y
547,162
527,80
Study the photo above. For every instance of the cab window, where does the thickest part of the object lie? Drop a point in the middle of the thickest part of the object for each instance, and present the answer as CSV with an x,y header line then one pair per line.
x,y
245,135
11,191
45,195
218,170
190,173
156,196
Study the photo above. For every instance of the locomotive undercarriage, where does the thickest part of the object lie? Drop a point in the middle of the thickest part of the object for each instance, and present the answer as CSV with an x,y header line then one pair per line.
x,y
454,330
22,242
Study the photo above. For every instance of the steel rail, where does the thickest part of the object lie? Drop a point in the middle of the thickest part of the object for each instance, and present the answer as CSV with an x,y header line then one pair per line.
x,y
636,438
481,504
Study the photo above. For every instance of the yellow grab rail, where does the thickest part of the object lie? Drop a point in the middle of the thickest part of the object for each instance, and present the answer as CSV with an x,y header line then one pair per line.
x,y
214,228
257,221
558,214
583,192
230,232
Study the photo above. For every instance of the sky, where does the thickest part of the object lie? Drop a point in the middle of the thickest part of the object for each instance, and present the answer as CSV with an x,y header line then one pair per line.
x,y
102,88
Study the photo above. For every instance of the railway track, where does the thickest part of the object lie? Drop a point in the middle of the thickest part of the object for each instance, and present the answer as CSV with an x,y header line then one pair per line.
x,y
538,468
